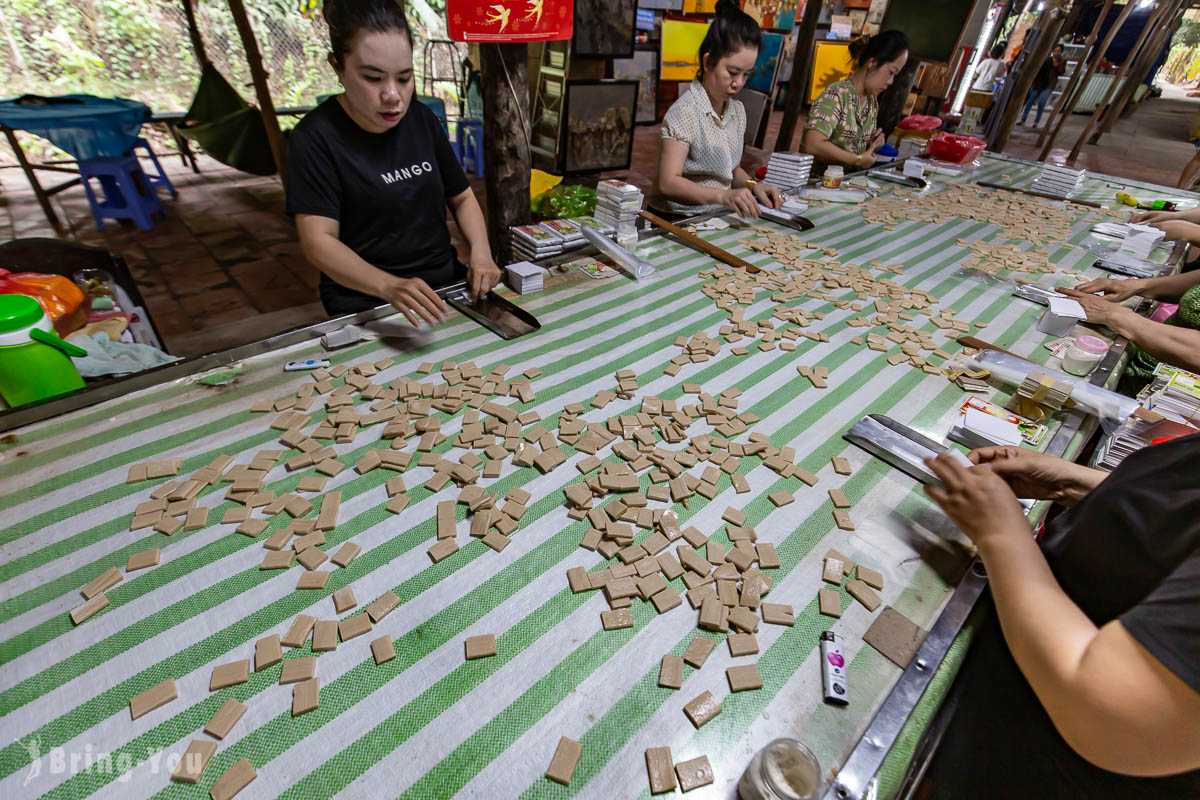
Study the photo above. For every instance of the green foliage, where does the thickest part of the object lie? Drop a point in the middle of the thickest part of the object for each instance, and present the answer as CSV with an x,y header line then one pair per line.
x,y
1188,34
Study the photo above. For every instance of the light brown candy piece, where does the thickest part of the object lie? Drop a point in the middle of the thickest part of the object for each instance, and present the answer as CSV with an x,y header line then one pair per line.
x,y
743,678
670,672
226,717
778,614
562,764
841,466
344,599
863,594
101,583
193,761
660,770
297,669
743,644
230,674
92,607
843,520
267,652
743,619
442,550
235,779
694,773
698,650
143,559
702,708
325,636
306,696
381,606
297,635
870,577
352,627
616,619
481,646
839,499
313,580
152,698
830,603
346,554
383,649
833,571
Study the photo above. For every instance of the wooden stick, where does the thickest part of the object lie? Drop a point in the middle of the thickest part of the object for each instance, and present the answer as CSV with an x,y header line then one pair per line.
x,y
1087,203
980,344
696,243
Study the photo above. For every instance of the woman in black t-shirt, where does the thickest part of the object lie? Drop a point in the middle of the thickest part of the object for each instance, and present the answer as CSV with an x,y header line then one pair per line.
x,y
371,172
1089,685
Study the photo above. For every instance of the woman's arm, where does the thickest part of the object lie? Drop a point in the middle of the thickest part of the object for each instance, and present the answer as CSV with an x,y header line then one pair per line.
x,y
1177,346
1168,288
818,145
672,184
1113,702
483,274
324,250
763,193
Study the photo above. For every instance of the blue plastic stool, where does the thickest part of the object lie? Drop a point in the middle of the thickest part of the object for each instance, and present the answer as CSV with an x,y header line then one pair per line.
x,y
468,145
127,191
159,180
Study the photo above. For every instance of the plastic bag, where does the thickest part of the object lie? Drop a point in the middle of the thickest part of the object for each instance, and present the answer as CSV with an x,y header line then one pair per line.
x,y
61,299
566,202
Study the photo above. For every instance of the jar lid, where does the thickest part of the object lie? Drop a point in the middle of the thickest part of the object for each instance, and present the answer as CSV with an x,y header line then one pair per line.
x,y
1091,344
18,311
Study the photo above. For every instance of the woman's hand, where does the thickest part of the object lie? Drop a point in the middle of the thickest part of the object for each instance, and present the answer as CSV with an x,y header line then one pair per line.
x,y
978,500
482,274
768,195
1037,476
413,298
1151,217
876,142
740,200
1179,230
1100,310
1115,291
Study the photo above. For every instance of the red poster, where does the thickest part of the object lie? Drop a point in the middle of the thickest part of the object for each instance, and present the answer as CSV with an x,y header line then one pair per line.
x,y
510,20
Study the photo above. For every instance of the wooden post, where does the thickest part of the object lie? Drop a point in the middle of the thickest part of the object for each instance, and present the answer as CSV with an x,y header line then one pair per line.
x,y
194,34
1112,87
1169,23
1049,26
504,75
261,89
797,88
1067,104
1066,100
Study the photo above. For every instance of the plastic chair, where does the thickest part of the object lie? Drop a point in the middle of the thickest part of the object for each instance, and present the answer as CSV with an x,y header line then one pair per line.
x,y
468,145
127,191
438,106
159,179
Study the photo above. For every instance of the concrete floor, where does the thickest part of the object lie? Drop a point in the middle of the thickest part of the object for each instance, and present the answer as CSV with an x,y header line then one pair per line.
x,y
225,268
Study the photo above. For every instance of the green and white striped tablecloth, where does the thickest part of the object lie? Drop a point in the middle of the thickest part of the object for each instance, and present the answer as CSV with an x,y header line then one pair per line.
x,y
429,724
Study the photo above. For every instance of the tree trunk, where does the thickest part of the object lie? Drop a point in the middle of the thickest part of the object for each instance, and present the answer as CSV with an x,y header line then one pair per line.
x,y
1069,98
506,154
261,89
891,102
194,34
797,84
1147,29
1049,27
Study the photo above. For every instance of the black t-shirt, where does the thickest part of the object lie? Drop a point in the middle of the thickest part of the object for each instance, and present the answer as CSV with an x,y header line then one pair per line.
x,y
387,191
1130,550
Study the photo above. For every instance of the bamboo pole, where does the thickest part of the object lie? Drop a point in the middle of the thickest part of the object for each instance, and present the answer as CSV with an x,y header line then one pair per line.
x,y
1168,24
1120,76
1049,26
194,34
797,88
261,89
1094,58
1066,100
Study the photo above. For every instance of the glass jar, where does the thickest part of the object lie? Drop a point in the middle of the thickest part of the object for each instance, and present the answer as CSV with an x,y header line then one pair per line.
x,y
832,178
783,770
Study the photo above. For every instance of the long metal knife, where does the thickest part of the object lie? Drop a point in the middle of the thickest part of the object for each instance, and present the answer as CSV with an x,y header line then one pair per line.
x,y
500,316
898,445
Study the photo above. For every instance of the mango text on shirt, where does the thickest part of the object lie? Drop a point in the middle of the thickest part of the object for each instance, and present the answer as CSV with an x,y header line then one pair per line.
x,y
404,173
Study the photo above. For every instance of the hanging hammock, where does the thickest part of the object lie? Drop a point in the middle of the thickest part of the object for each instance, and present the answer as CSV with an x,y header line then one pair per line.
x,y
227,127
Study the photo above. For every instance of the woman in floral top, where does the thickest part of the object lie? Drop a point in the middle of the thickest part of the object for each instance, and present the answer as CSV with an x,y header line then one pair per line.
x,y
841,125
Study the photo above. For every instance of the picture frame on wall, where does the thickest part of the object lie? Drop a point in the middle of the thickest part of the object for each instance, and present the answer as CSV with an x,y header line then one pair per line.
x,y
680,48
599,125
766,66
604,28
643,68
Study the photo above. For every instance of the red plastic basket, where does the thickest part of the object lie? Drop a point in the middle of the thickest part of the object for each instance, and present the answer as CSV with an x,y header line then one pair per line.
x,y
955,149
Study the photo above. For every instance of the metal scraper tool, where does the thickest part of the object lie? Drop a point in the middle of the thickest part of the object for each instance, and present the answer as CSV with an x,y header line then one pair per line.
x,y
899,445
500,316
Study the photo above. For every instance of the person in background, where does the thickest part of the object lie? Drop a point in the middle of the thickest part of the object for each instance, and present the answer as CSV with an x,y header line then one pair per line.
x,y
1043,84
842,125
371,175
1085,683
989,70
703,133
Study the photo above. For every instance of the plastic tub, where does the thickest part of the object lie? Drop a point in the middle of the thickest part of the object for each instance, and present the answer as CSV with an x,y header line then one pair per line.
x,y
955,149
1084,354
32,370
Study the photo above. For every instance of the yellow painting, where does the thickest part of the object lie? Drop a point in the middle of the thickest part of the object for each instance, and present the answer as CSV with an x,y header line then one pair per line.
x,y
681,49
831,62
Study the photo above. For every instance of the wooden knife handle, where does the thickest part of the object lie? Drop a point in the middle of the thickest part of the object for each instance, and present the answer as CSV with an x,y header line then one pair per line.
x,y
697,243
980,344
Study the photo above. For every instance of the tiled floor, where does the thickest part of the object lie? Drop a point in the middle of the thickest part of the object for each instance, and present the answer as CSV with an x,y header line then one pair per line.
x,y
225,268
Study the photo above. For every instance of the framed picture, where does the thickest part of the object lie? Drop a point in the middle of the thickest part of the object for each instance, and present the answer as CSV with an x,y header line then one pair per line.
x,y
662,5
831,62
604,28
643,68
600,120
767,65
680,50
699,6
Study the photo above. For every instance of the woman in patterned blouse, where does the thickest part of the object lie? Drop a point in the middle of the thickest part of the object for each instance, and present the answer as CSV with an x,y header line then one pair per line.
x,y
700,153
841,126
